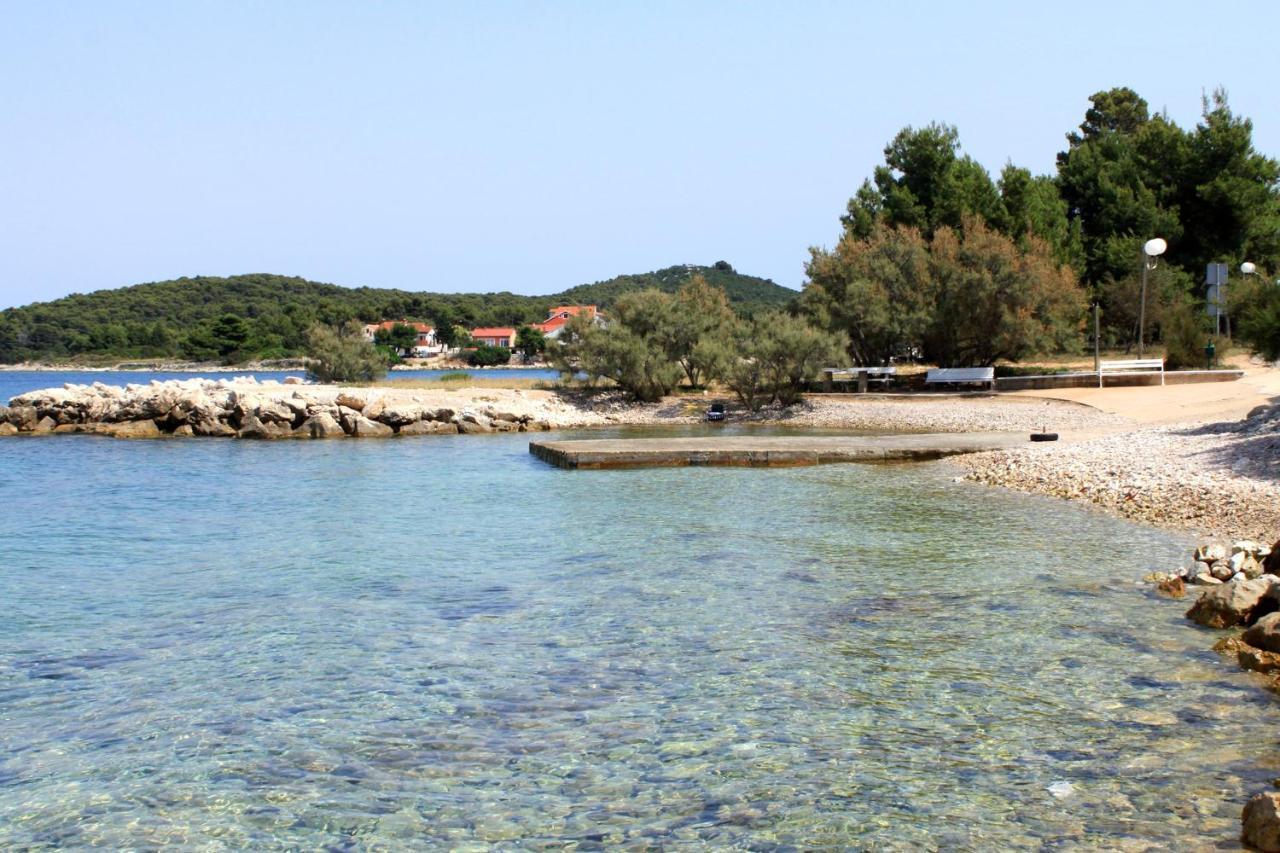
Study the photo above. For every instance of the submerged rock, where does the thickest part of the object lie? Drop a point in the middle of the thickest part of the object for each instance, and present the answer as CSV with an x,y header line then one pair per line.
x,y
1261,820
1172,587
1235,603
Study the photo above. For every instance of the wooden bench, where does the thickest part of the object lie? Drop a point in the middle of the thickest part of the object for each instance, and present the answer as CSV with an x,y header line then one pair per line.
x,y
962,376
863,375
1132,367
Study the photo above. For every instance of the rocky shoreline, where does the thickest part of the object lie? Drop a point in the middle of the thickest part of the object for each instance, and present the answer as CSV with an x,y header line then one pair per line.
x,y
1243,583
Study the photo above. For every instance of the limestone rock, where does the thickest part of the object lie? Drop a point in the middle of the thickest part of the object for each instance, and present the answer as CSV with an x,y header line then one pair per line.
x,y
23,417
293,380
1257,660
7,428
133,429
213,428
254,427
322,425
1222,571
1195,571
1261,822
45,424
362,427
373,408
1211,553
185,431
1236,603
472,427
1248,546
351,401
1265,633
429,428
1172,588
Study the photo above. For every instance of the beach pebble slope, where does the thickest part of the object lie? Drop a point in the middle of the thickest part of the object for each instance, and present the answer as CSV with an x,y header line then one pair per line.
x,y
1215,479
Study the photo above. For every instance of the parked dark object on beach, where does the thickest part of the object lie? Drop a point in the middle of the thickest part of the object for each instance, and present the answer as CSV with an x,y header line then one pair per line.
x,y
1044,436
716,412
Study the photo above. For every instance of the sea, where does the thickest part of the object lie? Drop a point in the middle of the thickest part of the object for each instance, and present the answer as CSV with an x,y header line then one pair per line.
x,y
442,642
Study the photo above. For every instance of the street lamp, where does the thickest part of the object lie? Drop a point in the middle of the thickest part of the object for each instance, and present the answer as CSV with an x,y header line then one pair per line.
x,y
1151,249
1246,268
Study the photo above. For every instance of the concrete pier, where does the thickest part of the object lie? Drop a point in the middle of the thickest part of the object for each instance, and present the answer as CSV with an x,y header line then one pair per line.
x,y
767,451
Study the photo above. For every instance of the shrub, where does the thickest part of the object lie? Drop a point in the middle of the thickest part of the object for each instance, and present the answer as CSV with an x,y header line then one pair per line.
x,y
1259,322
487,356
1185,332
454,376
343,355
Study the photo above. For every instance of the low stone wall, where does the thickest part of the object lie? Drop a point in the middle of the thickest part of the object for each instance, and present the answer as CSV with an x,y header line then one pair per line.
x,y
1113,380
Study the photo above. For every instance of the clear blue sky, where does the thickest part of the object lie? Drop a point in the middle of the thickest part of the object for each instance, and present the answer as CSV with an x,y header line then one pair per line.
x,y
534,146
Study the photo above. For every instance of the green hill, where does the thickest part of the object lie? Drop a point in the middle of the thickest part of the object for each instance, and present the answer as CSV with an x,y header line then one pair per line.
x,y
266,316
746,292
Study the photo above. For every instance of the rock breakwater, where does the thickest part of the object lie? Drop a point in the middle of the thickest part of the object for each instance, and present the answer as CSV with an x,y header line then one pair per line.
x,y
245,408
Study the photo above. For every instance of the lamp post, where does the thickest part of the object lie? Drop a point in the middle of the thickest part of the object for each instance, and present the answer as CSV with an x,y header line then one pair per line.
x,y
1151,249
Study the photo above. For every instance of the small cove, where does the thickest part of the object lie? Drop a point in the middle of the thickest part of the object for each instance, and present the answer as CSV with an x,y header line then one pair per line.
x,y
443,641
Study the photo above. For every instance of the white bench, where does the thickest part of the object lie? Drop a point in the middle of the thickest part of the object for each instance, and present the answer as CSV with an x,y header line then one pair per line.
x,y
1132,367
863,375
962,376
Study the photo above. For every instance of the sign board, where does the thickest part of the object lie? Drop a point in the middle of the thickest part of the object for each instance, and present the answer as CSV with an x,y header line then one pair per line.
x,y
1215,300
1215,274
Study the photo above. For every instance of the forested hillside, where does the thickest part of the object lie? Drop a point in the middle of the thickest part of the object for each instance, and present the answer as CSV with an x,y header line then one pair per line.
x,y
746,293
267,316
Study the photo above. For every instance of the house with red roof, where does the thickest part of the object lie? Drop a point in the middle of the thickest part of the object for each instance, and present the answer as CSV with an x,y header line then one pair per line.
x,y
558,316
425,344
498,336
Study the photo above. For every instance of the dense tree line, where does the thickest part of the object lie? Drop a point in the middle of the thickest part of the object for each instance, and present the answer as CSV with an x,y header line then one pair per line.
x,y
1126,175
268,316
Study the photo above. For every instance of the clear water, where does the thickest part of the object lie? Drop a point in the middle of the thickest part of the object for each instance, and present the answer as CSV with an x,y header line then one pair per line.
x,y
15,382
442,642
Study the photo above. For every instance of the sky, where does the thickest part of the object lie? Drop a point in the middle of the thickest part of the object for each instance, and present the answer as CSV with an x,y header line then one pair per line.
x,y
533,146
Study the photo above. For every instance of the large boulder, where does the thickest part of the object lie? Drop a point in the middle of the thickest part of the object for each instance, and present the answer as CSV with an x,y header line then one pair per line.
x,y
429,428
321,425
1261,822
1211,553
1240,602
214,428
45,424
1257,660
23,417
362,427
7,428
351,401
132,429
254,427
1265,633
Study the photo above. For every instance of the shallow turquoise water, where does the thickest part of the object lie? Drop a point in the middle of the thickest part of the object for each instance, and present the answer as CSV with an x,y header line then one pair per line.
x,y
442,642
